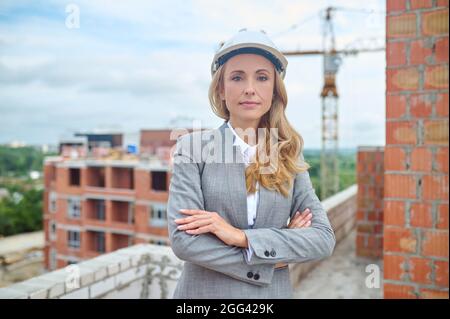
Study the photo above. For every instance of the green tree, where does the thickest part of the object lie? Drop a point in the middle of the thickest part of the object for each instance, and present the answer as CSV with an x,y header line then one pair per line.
x,y
17,162
21,212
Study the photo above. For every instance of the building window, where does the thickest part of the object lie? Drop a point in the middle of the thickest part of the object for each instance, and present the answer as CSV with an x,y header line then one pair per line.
x,y
73,239
159,181
130,213
52,202
100,242
74,177
100,209
71,262
158,215
73,208
52,231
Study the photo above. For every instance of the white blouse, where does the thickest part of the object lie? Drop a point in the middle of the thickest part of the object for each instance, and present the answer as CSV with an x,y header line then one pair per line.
x,y
252,199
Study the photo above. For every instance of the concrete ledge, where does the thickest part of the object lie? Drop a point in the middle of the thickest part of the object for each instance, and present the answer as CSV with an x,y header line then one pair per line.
x,y
140,271
341,211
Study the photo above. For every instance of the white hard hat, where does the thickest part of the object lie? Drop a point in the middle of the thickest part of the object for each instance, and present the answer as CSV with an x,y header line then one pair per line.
x,y
250,41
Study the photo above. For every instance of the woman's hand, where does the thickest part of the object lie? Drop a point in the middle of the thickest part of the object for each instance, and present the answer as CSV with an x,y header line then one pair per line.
x,y
302,220
201,221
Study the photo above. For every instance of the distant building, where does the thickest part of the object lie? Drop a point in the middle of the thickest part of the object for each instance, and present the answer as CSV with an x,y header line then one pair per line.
x,y
99,142
157,142
73,148
17,144
97,202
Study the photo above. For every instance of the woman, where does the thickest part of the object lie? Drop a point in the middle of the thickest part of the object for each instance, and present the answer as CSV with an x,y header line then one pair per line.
x,y
238,217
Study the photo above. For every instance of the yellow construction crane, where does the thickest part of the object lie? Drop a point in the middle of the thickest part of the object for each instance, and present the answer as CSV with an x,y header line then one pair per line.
x,y
332,58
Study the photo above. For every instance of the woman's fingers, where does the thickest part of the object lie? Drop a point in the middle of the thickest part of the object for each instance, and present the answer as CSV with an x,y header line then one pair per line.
x,y
194,215
200,230
190,219
195,224
301,220
298,216
193,211
304,220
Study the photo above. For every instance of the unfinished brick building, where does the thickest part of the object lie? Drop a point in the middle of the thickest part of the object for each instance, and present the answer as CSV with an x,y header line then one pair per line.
x,y
95,205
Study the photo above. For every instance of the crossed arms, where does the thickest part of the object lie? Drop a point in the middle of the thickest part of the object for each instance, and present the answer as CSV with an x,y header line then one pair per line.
x,y
207,250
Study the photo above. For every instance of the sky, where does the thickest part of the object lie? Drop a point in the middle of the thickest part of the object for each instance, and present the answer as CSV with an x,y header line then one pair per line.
x,y
69,66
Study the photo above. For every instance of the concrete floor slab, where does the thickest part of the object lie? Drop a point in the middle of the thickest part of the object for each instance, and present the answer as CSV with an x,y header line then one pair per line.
x,y
342,276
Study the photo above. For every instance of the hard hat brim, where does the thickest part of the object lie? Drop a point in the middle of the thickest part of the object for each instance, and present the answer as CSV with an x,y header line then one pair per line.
x,y
276,57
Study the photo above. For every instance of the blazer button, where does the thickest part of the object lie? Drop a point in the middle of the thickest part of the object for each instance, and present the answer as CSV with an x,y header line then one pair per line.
x,y
256,276
273,253
267,253
250,274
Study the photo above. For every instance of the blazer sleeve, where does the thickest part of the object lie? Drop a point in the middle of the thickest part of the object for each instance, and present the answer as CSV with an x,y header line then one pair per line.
x,y
206,249
273,245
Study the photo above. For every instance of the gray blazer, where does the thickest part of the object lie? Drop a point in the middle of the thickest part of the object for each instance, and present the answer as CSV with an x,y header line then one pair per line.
x,y
212,178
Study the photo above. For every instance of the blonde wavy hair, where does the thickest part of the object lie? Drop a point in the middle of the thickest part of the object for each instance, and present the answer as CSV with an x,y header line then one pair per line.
x,y
289,144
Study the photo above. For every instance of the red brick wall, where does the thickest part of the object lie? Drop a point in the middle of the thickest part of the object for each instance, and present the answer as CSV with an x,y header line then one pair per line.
x,y
416,152
369,215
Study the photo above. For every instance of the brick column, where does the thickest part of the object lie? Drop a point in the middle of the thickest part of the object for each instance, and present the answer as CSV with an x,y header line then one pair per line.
x,y
416,152
108,177
369,216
